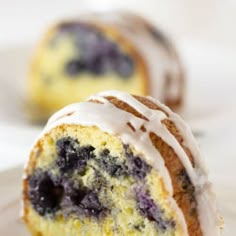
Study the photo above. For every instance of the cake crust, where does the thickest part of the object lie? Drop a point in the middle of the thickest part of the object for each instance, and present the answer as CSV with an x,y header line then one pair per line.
x,y
169,148
158,69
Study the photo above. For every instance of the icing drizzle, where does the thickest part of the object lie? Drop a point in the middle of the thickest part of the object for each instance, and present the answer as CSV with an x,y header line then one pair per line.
x,y
159,54
113,120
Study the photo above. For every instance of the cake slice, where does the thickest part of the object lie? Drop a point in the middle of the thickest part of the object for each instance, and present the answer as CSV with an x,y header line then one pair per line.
x,y
96,52
117,164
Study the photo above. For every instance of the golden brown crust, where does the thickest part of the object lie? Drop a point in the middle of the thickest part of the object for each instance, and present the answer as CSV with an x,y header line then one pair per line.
x,y
148,103
168,123
173,130
176,103
124,106
184,197
184,192
28,170
183,188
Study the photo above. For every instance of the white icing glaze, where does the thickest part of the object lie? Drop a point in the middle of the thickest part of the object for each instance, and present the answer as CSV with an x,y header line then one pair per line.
x,y
102,115
160,59
89,114
208,213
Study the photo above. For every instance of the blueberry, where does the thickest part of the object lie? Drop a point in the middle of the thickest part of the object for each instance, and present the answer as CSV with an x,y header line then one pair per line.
x,y
97,54
44,195
86,152
82,201
67,154
96,65
109,49
66,145
147,207
77,195
124,66
71,156
91,204
152,211
137,167
75,67
111,165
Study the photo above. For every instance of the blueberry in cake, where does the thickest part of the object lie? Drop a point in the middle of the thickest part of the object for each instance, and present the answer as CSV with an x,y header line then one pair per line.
x,y
98,52
117,164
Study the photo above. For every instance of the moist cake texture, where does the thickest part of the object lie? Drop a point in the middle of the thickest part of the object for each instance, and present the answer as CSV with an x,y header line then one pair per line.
x,y
117,164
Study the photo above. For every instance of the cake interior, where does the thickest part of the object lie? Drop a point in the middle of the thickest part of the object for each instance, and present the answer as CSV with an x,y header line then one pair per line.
x,y
82,181
77,60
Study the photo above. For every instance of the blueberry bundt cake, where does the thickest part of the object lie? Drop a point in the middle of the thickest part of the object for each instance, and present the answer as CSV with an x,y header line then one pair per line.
x,y
99,52
117,164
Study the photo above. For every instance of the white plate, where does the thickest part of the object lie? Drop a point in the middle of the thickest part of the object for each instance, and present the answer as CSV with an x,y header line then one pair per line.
x,y
11,224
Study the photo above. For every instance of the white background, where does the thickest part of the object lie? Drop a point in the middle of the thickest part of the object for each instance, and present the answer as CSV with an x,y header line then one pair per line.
x,y
211,20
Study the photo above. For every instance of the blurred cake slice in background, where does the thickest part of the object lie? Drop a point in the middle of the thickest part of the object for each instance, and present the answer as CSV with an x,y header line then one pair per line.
x,y
100,51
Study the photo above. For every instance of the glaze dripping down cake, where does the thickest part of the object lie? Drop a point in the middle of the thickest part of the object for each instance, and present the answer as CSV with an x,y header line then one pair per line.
x,y
77,58
118,164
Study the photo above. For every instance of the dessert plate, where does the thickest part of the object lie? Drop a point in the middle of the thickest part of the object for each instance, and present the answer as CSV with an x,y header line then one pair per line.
x,y
11,223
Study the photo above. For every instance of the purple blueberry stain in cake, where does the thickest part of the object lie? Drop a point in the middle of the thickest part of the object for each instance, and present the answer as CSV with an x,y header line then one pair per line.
x,y
96,65
91,204
111,165
66,145
137,167
133,166
75,67
82,201
97,54
51,195
72,156
45,195
67,154
99,181
149,209
66,193
124,66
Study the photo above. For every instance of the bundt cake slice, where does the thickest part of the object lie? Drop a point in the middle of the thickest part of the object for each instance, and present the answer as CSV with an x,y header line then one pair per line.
x,y
96,52
117,164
